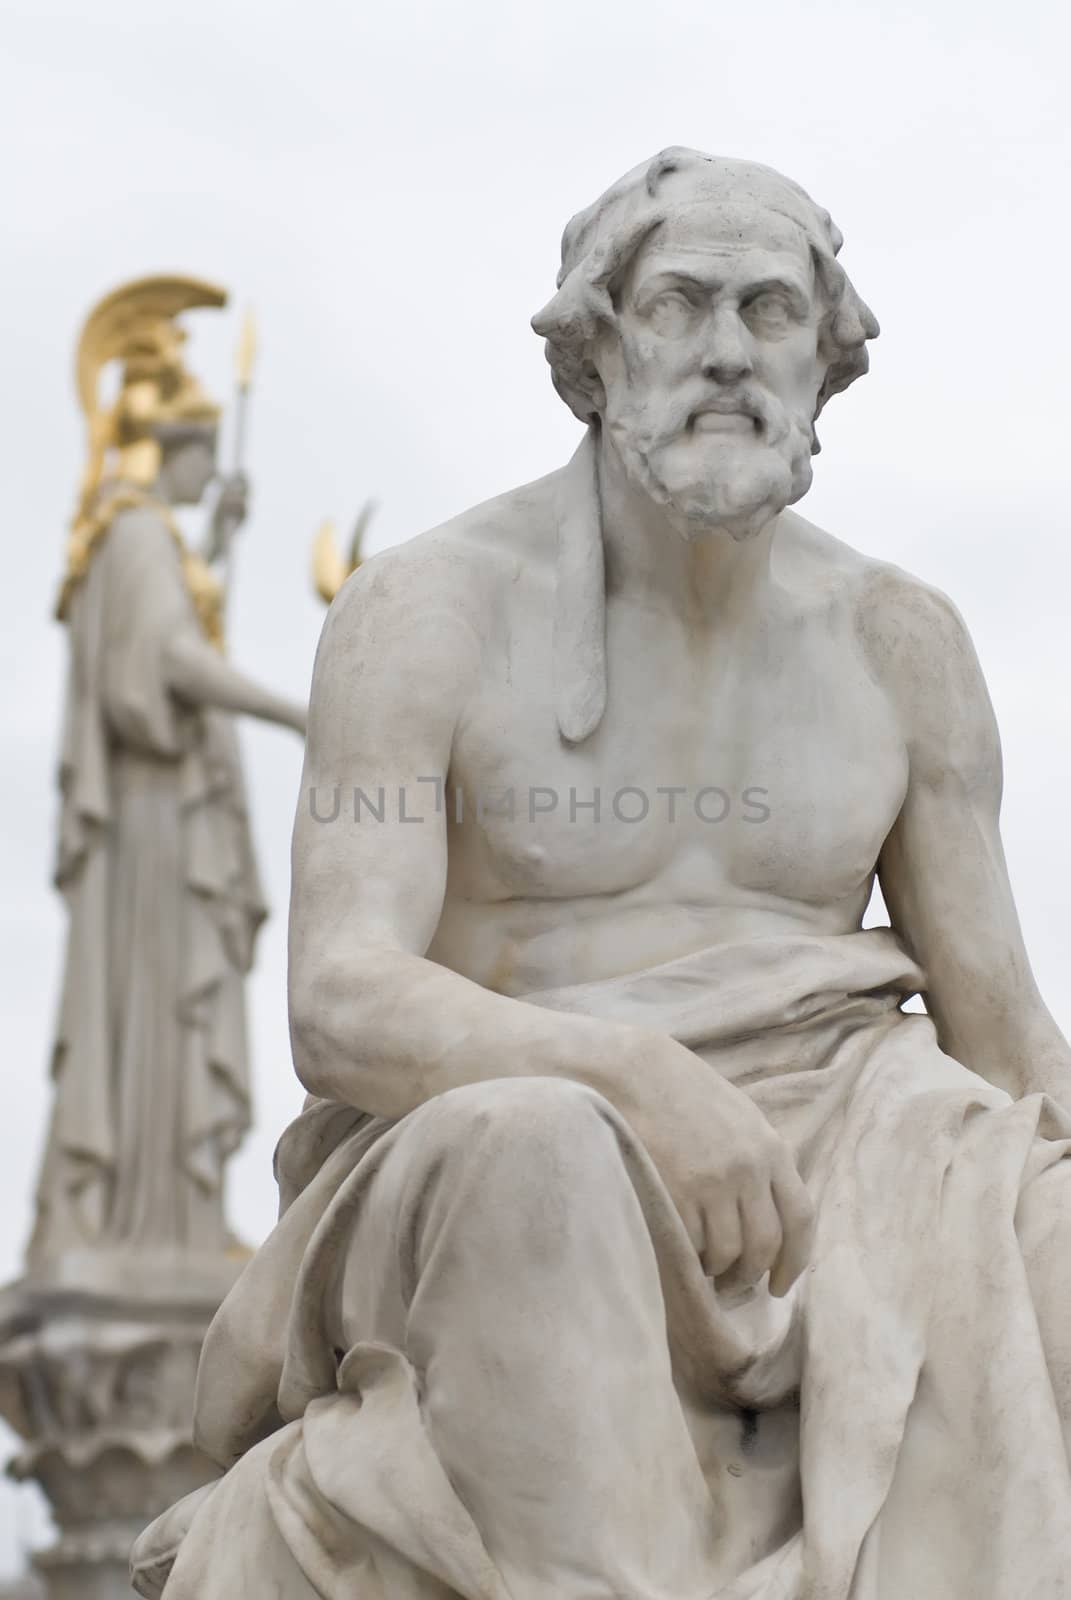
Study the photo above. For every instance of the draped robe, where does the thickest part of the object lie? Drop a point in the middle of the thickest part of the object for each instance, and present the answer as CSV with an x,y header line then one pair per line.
x,y
887,1431
155,863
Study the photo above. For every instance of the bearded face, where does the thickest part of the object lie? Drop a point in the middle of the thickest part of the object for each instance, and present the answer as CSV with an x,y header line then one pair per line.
x,y
711,372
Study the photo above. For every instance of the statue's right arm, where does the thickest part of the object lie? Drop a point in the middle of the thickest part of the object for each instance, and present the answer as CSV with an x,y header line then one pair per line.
x,y
199,675
150,602
373,1023
377,1025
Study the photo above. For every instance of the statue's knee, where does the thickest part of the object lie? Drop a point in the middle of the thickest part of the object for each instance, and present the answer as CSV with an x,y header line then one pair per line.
x,y
521,1122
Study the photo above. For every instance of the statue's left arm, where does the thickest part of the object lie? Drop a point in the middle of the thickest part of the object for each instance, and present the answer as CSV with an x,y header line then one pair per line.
x,y
942,868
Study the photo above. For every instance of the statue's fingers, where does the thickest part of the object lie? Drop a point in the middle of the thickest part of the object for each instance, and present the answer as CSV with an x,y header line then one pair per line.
x,y
797,1223
763,1235
692,1218
723,1238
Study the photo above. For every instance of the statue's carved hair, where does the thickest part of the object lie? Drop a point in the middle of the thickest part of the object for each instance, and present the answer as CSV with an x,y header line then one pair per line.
x,y
599,244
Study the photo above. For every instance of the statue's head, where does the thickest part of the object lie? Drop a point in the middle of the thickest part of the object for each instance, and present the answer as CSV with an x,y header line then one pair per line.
x,y
702,321
165,425
187,459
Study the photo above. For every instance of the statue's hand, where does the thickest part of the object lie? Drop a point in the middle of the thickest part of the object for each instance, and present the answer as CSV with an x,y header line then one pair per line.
x,y
298,718
230,511
731,1176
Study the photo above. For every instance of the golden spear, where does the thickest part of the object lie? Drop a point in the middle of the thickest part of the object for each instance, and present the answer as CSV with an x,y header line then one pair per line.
x,y
244,362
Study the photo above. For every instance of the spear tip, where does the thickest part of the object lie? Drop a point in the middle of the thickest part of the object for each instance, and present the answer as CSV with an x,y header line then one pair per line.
x,y
247,350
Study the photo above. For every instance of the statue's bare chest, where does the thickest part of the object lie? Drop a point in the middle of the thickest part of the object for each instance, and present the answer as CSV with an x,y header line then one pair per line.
x,y
766,765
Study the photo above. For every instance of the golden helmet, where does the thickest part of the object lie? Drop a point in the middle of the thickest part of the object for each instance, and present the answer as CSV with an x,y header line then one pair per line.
x,y
136,326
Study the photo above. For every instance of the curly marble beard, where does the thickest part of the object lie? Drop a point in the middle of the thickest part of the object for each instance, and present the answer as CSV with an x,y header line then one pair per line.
x,y
709,482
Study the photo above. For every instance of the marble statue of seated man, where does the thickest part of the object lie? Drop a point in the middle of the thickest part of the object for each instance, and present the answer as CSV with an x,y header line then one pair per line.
x,y
635,1243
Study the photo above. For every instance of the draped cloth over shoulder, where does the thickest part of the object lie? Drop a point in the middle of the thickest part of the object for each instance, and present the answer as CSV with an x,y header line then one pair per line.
x,y
155,863
905,1369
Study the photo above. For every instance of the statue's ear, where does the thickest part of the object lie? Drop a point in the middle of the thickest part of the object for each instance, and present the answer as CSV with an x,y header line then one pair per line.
x,y
580,600
581,388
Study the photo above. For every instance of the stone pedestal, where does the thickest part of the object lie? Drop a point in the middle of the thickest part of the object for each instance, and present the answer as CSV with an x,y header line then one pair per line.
x,y
98,1360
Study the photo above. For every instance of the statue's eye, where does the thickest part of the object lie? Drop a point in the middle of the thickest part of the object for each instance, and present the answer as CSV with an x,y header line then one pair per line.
x,y
768,312
670,313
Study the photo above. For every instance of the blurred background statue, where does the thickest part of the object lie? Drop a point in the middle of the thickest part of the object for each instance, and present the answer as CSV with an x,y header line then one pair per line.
x,y
155,859
131,1252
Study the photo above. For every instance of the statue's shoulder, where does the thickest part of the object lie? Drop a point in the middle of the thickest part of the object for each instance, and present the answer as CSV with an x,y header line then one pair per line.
x,y
141,532
914,644
895,613
461,569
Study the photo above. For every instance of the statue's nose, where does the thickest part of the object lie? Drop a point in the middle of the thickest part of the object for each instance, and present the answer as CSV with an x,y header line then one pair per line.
x,y
726,358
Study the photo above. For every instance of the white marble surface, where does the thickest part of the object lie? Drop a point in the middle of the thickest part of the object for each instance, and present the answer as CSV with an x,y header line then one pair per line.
x,y
667,1223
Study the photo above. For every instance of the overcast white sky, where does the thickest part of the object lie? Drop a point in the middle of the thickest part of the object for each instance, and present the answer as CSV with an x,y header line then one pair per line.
x,y
387,185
